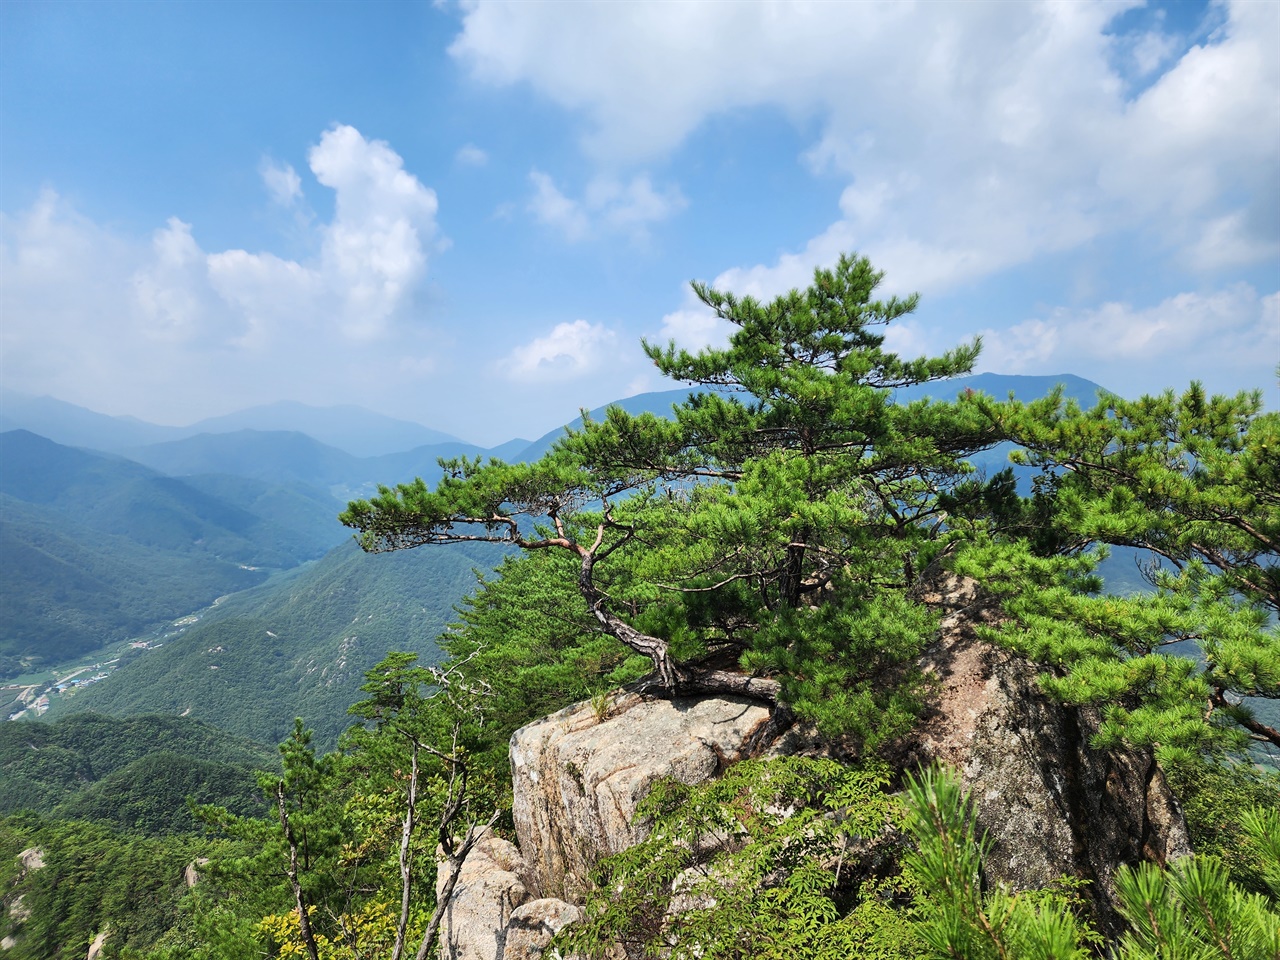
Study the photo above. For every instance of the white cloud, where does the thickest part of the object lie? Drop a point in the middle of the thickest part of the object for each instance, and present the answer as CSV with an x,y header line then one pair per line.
x,y
1230,339
552,208
1151,50
608,204
569,351
469,155
633,205
172,290
89,314
65,280
372,253
1231,241
282,182
976,137
693,328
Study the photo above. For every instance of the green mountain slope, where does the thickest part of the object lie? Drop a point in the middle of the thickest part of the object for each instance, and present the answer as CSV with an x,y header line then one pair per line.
x,y
95,548
67,589
297,518
234,521
135,773
298,645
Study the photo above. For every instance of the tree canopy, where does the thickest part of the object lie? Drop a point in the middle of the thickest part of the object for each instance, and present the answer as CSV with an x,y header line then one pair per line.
x,y
764,540
1194,482
769,540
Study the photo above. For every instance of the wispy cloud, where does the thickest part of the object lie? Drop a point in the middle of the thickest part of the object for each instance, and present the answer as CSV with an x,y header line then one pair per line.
x,y
607,205
1134,347
552,208
1005,132
282,182
470,155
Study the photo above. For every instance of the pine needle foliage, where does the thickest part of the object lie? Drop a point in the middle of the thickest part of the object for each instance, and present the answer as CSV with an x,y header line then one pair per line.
x,y
739,544
961,919
1189,910
1195,482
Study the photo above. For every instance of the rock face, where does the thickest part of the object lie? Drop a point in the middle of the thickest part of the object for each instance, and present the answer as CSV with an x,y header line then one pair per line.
x,y
534,924
491,915
1050,803
98,945
490,888
578,777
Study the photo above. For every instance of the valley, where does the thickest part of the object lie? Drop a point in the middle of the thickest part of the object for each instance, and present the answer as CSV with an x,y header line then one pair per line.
x,y
136,566
30,696
173,612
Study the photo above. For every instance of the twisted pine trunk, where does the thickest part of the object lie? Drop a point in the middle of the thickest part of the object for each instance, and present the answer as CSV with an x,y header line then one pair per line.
x,y
673,677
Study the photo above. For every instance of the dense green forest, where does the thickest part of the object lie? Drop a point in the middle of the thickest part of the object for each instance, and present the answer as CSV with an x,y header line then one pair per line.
x,y
107,805
97,548
135,773
296,646
767,542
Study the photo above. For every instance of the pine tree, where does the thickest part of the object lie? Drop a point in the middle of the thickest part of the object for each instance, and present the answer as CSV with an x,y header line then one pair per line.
x,y
1196,482
764,541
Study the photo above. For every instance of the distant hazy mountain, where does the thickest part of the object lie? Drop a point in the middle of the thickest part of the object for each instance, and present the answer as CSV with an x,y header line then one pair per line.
x,y
421,462
354,430
77,427
95,548
280,457
1000,385
997,385
656,403
275,456
298,645
509,450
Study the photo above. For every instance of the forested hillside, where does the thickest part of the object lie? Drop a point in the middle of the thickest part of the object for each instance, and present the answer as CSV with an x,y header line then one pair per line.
x,y
97,548
134,773
102,809
297,646
778,544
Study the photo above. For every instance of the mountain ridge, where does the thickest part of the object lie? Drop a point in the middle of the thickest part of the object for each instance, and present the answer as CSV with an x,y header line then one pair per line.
x,y
353,429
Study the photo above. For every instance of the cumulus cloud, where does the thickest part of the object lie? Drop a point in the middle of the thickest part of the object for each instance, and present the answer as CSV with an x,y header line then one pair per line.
x,y
608,204
1229,338
975,137
84,307
172,291
569,351
372,253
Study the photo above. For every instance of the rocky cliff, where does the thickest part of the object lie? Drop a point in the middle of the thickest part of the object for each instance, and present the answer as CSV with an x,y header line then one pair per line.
x,y
1051,804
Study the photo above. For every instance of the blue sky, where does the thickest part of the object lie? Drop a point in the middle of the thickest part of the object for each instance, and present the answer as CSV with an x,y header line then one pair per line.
x,y
469,214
